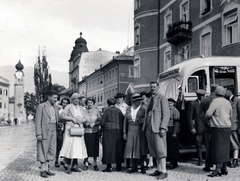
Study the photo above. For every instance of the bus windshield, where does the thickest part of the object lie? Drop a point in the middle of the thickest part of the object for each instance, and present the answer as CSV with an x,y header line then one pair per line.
x,y
170,87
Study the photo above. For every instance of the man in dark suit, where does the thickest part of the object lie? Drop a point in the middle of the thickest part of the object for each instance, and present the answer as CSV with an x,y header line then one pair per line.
x,y
196,125
46,120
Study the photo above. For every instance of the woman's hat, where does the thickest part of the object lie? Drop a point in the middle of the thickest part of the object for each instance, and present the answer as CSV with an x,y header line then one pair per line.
x,y
220,91
136,97
75,96
171,100
118,95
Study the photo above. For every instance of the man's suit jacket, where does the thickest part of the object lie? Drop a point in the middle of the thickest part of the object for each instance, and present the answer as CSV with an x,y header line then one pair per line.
x,y
235,103
194,111
160,113
43,118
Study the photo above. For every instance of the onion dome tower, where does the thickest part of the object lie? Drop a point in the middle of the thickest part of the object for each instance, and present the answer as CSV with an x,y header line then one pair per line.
x,y
19,111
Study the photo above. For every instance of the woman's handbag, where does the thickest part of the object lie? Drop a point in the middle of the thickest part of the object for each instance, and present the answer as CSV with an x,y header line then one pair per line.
x,y
76,131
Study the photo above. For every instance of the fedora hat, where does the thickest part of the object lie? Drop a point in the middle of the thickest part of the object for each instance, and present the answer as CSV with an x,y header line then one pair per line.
x,y
171,100
200,92
118,95
136,97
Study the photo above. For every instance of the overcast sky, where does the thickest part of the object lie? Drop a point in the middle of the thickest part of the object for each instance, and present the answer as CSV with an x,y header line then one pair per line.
x,y
56,24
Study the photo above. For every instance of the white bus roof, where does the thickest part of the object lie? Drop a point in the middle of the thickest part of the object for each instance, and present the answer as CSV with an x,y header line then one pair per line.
x,y
195,63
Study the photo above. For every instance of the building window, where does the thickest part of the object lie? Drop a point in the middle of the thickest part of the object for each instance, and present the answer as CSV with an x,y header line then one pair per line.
x,y
167,59
113,73
205,6
101,99
116,72
137,34
0,105
184,11
206,43
5,106
0,91
184,53
136,65
136,4
6,93
167,21
131,71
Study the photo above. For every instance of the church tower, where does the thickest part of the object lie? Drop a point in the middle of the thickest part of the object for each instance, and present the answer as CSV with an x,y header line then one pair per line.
x,y
19,110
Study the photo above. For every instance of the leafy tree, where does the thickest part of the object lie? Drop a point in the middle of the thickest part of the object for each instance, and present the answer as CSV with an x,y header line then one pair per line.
x,y
30,102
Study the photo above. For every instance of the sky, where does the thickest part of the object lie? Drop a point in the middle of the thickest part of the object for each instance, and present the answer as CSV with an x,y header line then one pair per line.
x,y
26,25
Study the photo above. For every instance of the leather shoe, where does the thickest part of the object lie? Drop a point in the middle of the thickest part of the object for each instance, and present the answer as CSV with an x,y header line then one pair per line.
x,y
133,169
234,164
224,171
95,167
63,164
143,171
200,163
172,165
75,169
50,173
207,169
57,164
108,169
215,173
44,174
156,173
162,176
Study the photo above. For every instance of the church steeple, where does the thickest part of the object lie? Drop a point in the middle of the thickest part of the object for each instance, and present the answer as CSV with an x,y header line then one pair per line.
x,y
19,66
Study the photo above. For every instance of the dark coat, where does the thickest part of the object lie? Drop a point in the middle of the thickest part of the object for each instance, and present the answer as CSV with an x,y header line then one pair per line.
x,y
193,115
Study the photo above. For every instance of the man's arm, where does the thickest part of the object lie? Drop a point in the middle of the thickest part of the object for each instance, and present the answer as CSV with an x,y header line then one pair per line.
x,y
38,121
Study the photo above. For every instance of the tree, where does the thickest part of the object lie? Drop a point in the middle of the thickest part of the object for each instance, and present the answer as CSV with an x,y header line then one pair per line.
x,y
42,79
30,102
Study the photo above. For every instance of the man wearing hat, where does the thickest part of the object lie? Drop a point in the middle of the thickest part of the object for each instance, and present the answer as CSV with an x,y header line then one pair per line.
x,y
196,125
205,103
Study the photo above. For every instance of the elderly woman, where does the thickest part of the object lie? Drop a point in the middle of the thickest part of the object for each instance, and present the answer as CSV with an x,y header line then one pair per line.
x,y
220,112
92,132
73,146
113,143
136,148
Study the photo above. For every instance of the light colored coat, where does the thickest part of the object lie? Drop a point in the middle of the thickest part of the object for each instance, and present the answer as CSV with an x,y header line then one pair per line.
x,y
160,113
46,148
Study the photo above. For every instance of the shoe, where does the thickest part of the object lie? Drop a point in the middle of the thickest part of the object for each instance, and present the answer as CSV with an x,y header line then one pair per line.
x,y
215,173
207,169
50,173
108,169
133,169
118,169
234,164
162,176
95,167
85,164
148,167
57,164
75,169
224,171
69,170
44,174
143,171
172,165
63,164
156,173
200,163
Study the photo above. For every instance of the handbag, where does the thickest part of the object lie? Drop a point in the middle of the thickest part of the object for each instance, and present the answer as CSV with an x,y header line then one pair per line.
x,y
76,131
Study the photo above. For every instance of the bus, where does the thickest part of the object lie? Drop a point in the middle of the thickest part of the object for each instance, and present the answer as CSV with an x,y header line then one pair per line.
x,y
182,80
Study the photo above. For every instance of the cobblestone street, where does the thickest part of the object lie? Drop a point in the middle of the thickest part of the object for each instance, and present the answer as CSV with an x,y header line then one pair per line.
x,y
18,162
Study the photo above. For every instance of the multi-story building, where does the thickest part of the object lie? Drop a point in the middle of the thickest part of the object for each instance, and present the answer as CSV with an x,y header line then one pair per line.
x,y
111,78
169,31
4,96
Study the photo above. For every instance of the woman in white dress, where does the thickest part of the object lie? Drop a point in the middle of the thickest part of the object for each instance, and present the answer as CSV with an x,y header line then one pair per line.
x,y
73,146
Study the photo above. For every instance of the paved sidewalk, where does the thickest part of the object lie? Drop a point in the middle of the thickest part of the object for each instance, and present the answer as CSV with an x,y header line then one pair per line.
x,y
18,152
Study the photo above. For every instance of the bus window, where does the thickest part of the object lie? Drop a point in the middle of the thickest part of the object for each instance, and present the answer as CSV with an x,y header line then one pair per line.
x,y
223,75
192,84
197,81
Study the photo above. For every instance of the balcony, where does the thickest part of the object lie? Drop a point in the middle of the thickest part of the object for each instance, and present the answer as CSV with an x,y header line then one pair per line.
x,y
179,32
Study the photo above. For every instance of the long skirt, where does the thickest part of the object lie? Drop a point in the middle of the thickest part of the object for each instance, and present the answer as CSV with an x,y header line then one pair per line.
x,y
113,146
73,146
220,142
136,146
172,146
92,144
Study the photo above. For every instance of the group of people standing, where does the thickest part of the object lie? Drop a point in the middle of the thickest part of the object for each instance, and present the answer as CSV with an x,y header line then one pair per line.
x,y
138,133
214,121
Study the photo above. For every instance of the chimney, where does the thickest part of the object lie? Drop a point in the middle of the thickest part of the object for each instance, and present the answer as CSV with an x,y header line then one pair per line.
x,y
117,52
